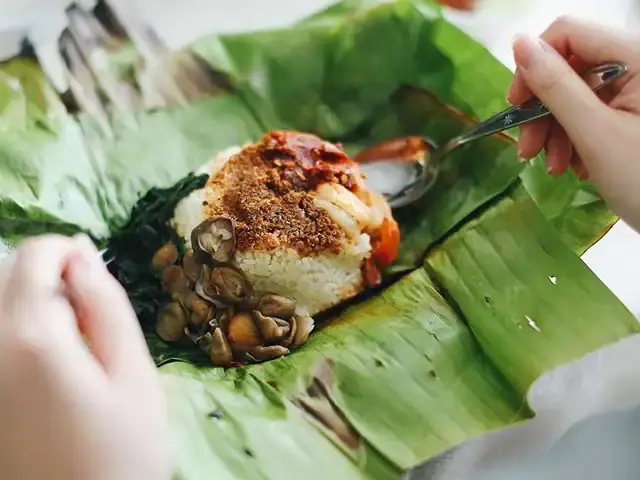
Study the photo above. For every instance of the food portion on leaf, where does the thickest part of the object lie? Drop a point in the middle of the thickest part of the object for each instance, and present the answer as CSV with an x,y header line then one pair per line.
x,y
447,353
405,149
283,229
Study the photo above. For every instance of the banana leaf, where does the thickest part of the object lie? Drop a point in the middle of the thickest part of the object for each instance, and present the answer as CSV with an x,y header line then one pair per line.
x,y
46,177
492,294
575,208
410,373
426,78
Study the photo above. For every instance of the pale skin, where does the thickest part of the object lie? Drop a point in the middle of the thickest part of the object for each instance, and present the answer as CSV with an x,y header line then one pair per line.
x,y
598,136
68,412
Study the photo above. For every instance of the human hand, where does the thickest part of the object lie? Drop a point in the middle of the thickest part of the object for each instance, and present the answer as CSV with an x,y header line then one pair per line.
x,y
597,135
69,412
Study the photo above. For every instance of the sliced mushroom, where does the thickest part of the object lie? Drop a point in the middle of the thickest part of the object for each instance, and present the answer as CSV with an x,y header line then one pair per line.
x,y
277,306
242,332
200,314
203,285
174,280
220,353
199,311
212,324
224,319
260,354
273,329
231,286
293,330
215,237
172,321
185,299
204,343
192,336
305,326
166,256
191,266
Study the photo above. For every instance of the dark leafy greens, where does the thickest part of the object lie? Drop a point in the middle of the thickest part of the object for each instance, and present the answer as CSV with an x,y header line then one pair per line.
x,y
132,249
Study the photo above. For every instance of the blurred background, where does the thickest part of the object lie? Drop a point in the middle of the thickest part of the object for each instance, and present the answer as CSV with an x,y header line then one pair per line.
x,y
559,444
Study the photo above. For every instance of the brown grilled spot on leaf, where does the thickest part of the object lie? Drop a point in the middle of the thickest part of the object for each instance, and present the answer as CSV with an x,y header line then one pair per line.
x,y
318,404
216,414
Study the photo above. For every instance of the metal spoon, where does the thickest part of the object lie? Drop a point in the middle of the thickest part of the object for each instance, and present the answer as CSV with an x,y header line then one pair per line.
x,y
416,178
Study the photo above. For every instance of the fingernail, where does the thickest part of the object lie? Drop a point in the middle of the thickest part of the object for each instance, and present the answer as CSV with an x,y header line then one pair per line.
x,y
520,152
524,157
525,49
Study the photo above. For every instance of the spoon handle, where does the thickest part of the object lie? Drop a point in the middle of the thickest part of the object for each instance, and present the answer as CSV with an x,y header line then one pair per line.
x,y
534,109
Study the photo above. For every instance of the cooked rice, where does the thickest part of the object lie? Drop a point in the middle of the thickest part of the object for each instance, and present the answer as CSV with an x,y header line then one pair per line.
x,y
316,282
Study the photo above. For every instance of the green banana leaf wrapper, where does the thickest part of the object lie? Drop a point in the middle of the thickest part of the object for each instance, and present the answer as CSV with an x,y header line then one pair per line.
x,y
488,293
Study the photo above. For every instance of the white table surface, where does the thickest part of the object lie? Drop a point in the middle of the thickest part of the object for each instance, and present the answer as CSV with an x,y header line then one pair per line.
x,y
558,444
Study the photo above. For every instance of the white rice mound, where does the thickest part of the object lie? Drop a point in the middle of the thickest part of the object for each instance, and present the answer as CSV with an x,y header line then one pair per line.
x,y
315,282
190,212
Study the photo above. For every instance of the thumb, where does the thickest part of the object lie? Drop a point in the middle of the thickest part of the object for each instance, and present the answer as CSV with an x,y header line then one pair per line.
x,y
557,85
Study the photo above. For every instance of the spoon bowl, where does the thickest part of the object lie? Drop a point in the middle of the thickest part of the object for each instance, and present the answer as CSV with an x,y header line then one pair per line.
x,y
393,166
404,169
